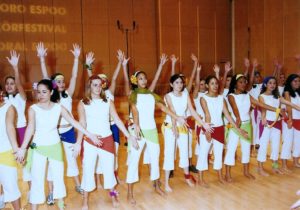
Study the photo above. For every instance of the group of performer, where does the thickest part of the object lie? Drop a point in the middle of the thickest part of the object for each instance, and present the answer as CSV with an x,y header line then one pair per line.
x,y
242,108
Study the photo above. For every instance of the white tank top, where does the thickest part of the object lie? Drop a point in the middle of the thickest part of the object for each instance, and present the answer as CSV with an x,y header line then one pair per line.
x,y
19,103
255,92
271,101
67,104
4,140
280,89
97,117
146,106
198,105
215,109
188,113
180,105
46,121
296,100
243,104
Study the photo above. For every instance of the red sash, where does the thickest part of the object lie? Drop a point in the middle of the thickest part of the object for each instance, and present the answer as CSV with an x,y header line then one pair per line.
x,y
107,145
296,124
277,125
218,133
191,122
198,130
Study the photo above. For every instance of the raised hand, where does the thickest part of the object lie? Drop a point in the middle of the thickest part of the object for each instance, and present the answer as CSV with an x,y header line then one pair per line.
x,y
163,59
194,58
255,63
76,51
125,61
173,59
89,58
228,67
41,51
199,67
14,58
120,55
216,68
246,63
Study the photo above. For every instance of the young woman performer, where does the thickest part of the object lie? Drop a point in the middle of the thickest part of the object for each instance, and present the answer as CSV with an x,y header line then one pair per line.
x,y
66,131
94,114
142,102
179,102
270,126
291,128
43,118
240,102
9,145
213,106
109,92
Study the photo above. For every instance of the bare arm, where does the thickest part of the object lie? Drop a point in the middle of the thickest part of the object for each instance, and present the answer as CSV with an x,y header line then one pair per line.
x,y
262,105
247,66
42,53
196,88
76,52
125,73
205,110
117,119
29,129
112,86
89,60
82,121
228,68
289,104
163,60
191,80
173,65
174,124
10,127
14,60
235,109
194,113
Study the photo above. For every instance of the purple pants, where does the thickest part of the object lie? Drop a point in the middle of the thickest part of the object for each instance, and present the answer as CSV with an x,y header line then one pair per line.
x,y
20,135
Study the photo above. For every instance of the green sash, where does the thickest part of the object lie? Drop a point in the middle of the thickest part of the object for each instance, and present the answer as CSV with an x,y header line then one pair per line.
x,y
135,92
246,126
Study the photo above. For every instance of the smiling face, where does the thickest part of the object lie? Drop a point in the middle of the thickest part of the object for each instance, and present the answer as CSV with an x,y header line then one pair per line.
x,y
141,80
296,83
10,86
241,84
213,86
271,85
60,82
257,78
96,87
177,85
43,93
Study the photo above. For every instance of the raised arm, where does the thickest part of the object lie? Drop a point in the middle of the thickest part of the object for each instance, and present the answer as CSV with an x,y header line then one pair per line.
x,y
76,52
227,68
197,85
191,80
112,87
275,71
14,60
163,60
125,73
89,60
173,64
247,66
42,53
216,69
297,57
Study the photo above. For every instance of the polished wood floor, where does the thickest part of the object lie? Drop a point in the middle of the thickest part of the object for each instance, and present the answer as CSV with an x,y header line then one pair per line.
x,y
273,192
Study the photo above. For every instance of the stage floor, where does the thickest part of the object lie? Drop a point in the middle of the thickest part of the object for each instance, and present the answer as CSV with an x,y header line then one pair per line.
x,y
273,192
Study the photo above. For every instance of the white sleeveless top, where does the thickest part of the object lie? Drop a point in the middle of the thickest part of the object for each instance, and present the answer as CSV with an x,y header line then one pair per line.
x,y
4,140
271,101
255,92
296,100
97,117
215,109
180,105
19,103
188,113
46,121
280,89
146,106
67,104
198,105
243,104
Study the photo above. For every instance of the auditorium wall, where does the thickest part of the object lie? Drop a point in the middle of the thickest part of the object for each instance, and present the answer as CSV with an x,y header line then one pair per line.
x,y
202,27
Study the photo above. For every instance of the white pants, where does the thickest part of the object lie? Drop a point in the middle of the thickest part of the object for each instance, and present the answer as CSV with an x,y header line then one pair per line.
x,y
26,175
202,162
9,182
134,157
287,141
72,167
190,142
38,171
99,168
232,143
273,135
170,150
255,127
106,159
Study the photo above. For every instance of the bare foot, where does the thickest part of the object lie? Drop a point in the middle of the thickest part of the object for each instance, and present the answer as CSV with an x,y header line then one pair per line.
x,y
168,188
115,201
120,181
159,191
222,180
99,187
131,200
203,184
228,179
296,165
296,205
249,176
85,208
277,171
262,172
190,182
286,170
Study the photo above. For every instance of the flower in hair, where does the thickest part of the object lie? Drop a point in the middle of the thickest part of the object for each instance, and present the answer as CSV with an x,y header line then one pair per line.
x,y
54,84
34,85
133,79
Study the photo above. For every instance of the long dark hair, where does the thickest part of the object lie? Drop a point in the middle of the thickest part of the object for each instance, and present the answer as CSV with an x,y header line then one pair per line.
x,y
233,83
136,74
288,85
49,84
88,96
14,79
275,92
55,90
174,77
